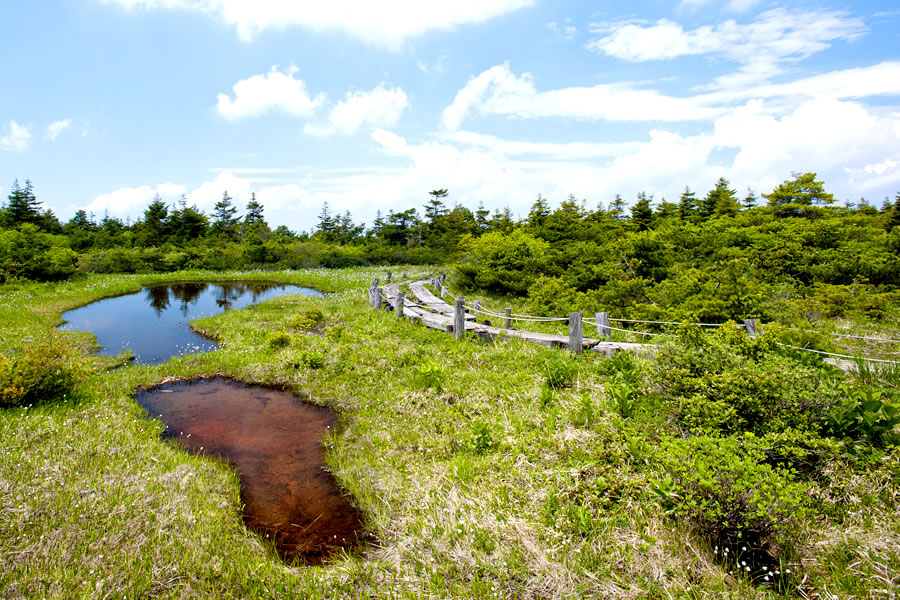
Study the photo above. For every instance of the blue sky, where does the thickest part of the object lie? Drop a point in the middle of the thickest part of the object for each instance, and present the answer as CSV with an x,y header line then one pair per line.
x,y
369,105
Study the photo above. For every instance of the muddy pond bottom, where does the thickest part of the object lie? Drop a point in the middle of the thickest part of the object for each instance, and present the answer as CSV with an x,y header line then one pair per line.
x,y
274,441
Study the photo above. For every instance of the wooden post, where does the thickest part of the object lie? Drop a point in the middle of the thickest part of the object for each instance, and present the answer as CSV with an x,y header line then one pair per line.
x,y
378,297
435,283
751,327
443,291
404,275
459,317
508,313
603,329
476,307
399,308
388,279
576,339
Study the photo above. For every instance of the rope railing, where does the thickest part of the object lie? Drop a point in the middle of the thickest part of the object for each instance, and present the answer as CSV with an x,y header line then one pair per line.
x,y
851,357
750,324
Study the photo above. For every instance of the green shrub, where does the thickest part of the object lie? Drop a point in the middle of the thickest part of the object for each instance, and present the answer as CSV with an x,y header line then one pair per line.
x,y
729,382
431,375
864,413
559,369
308,319
310,359
44,372
724,487
279,340
481,439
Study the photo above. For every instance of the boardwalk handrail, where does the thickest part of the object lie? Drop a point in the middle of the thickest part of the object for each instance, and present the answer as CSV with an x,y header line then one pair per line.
x,y
419,312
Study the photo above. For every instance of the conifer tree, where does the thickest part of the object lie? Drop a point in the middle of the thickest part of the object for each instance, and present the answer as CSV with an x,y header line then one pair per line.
x,y
225,219
642,213
687,205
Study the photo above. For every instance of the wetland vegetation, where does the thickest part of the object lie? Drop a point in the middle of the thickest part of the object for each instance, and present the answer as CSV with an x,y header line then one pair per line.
x,y
720,465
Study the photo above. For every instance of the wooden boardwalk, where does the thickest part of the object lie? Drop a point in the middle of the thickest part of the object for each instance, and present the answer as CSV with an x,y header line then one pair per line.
x,y
431,311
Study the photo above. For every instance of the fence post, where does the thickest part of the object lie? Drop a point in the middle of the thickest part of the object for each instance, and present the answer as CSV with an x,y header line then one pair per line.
x,y
388,279
404,275
603,329
508,314
751,327
476,309
576,339
399,308
377,300
459,317
435,284
443,291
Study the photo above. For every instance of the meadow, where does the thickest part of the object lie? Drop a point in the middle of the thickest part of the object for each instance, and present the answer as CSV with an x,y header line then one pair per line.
x,y
721,466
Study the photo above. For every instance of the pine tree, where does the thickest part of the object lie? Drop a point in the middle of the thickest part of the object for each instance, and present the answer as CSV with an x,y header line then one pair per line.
x,y
750,200
642,213
719,201
225,219
617,207
803,189
22,206
155,227
894,220
482,218
687,205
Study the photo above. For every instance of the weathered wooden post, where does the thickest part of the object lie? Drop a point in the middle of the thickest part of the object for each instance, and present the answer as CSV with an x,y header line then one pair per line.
x,y
435,283
459,317
751,327
603,329
378,297
576,339
401,297
476,309
443,291
508,313
388,279
404,275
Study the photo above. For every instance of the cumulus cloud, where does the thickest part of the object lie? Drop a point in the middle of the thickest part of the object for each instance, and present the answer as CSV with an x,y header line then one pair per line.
x,y
130,202
776,36
499,91
275,90
377,108
57,127
17,140
387,24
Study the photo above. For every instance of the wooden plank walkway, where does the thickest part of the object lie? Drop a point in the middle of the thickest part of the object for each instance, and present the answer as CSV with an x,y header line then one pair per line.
x,y
434,312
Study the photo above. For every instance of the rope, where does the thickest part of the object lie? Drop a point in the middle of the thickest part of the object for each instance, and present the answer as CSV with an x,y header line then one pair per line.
x,y
637,332
847,335
665,322
878,360
517,317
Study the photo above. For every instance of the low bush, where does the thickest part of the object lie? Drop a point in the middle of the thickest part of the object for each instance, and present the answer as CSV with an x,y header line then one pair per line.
x,y
726,488
308,319
42,373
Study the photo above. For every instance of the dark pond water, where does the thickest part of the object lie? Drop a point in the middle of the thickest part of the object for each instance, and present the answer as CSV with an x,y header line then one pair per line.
x,y
274,440
154,321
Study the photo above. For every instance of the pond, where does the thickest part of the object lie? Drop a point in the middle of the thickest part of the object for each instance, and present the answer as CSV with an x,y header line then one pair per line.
x,y
274,441
153,323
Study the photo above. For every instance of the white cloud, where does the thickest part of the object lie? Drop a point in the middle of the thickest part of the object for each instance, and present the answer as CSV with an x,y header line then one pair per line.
x,y
259,94
18,139
733,5
499,91
387,24
377,108
57,127
130,202
776,36
564,31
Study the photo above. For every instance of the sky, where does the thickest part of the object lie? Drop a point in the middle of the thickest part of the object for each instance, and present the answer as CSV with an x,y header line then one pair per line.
x,y
368,106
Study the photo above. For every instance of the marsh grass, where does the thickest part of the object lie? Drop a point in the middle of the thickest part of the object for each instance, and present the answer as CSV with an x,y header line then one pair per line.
x,y
475,478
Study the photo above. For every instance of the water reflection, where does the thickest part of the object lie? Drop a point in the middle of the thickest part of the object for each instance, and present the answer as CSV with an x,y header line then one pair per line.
x,y
154,321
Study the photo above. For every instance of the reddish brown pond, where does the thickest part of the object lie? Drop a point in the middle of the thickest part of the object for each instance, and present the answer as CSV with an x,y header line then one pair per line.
x,y
274,440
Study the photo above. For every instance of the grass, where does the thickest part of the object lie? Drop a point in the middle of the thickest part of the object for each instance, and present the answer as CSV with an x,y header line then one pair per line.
x,y
473,480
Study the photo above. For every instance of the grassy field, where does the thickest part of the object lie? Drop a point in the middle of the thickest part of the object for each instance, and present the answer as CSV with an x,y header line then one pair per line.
x,y
481,469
